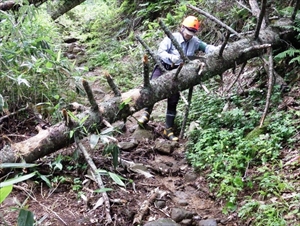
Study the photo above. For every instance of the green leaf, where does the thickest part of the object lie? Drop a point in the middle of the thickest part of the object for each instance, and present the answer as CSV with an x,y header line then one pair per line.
x,y
4,192
1,103
103,190
25,218
116,179
94,140
17,165
17,180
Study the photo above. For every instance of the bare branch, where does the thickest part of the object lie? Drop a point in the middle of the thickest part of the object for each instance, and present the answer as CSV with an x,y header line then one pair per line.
x,y
295,10
186,114
261,21
224,44
173,40
214,19
270,87
98,179
149,51
90,96
146,72
256,47
112,85
237,77
178,71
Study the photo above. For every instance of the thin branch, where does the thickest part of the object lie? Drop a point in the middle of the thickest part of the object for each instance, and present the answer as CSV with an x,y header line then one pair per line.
x,y
149,51
145,206
146,72
112,85
187,109
261,19
209,16
237,77
98,179
224,44
242,5
295,10
90,96
178,71
186,114
257,47
270,87
42,205
173,40
13,113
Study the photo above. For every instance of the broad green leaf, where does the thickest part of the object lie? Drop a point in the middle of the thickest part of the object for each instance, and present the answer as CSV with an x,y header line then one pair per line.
x,y
25,218
1,103
17,165
116,179
103,190
94,140
4,192
17,180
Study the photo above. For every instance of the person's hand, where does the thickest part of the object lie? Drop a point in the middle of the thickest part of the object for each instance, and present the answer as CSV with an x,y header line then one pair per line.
x,y
210,49
174,58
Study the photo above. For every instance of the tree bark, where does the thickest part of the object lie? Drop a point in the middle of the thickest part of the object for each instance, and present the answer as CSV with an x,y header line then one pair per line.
x,y
54,138
64,7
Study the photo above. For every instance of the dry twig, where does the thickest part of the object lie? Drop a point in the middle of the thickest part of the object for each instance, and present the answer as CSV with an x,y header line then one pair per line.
x,y
270,87
261,21
145,206
97,179
112,85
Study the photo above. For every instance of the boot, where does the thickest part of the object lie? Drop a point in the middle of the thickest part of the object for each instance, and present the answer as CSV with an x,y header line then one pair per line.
x,y
144,119
168,132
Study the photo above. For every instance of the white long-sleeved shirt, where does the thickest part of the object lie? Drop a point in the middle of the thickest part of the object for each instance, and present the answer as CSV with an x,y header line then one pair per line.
x,y
166,48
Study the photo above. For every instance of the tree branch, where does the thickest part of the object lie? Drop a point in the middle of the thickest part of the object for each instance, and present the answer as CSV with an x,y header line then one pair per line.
x,y
270,87
215,20
173,40
149,51
146,72
261,21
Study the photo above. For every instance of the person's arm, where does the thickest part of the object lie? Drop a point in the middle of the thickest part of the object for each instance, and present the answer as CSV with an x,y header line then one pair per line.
x,y
206,48
164,52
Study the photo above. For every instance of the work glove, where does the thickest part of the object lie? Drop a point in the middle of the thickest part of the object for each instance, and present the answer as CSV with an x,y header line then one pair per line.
x,y
210,49
174,59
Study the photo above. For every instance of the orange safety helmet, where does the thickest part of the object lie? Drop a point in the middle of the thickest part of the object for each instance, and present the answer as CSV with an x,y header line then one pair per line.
x,y
192,23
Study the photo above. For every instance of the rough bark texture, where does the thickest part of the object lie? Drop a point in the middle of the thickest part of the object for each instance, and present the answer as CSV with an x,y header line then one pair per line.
x,y
56,137
63,7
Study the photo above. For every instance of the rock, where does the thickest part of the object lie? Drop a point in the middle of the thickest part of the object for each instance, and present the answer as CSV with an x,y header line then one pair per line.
x,y
208,222
190,176
140,134
163,146
160,204
162,222
179,214
186,222
127,146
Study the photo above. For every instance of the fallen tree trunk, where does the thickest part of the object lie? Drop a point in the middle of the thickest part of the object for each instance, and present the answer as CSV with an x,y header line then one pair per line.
x,y
56,137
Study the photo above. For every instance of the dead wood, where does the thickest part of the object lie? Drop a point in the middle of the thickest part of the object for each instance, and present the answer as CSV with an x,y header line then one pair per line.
x,y
98,179
56,137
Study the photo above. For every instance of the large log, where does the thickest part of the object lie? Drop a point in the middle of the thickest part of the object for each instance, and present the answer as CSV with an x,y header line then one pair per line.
x,y
54,138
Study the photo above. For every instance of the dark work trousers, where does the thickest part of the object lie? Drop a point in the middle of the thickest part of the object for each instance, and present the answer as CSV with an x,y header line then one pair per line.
x,y
172,100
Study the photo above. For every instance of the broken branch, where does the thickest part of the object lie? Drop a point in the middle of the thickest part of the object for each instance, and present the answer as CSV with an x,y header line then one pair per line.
x,y
173,40
97,179
209,16
146,72
261,22
157,61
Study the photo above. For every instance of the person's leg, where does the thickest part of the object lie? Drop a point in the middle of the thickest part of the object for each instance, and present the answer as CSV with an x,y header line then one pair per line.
x,y
170,116
144,119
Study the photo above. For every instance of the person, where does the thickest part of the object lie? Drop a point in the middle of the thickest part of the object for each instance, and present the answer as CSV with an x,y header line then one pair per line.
x,y
170,59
